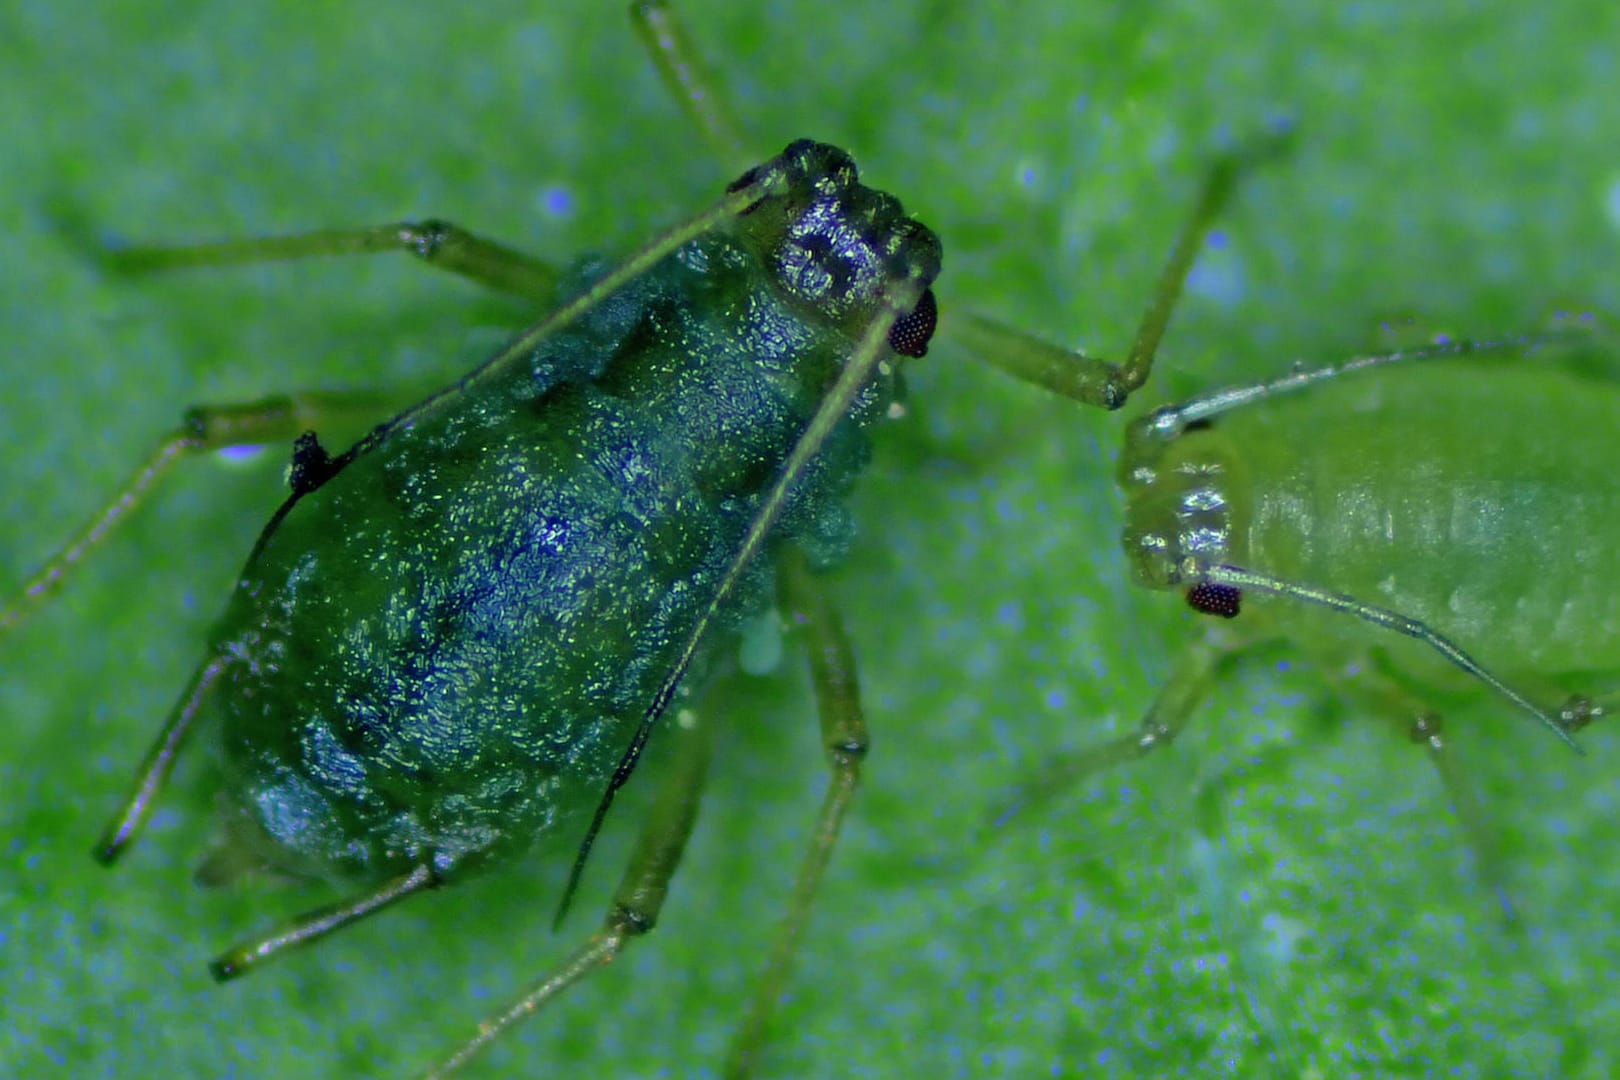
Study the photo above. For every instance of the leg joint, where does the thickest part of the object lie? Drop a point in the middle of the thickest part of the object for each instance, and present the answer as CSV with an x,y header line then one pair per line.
x,y
1578,712
425,238
629,922
1425,729
1154,734
854,748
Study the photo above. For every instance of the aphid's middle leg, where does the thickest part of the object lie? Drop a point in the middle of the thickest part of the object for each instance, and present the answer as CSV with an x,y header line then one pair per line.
x,y
204,428
1090,379
636,902
437,243
843,736
1427,729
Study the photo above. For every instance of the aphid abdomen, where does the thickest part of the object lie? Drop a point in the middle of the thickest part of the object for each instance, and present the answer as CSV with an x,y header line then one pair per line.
x,y
1409,492
436,654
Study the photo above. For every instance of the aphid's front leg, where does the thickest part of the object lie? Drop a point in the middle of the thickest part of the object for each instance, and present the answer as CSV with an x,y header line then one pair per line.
x,y
283,417
636,902
1172,710
203,429
1092,380
438,243
843,736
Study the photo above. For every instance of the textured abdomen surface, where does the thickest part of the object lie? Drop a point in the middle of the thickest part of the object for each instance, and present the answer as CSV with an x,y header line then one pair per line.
x,y
1482,498
442,648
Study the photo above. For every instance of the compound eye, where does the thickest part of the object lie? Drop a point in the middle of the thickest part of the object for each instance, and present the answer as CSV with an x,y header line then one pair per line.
x,y
910,333
1224,601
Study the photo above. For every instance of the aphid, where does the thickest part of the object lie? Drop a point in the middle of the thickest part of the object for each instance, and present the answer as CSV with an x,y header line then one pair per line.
x,y
1370,515
925,549
1387,521
458,635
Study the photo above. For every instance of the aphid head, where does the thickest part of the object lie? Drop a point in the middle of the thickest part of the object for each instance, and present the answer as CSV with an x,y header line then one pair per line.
x,y
1179,513
835,248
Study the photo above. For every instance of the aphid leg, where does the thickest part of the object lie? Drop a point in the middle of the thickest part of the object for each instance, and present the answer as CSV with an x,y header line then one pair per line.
x,y
637,901
1090,379
690,81
313,925
843,736
1580,711
1426,729
437,243
1170,713
203,429
158,764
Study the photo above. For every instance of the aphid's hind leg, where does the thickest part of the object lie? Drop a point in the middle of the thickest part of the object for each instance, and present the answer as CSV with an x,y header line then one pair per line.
x,y
690,81
1089,379
204,428
636,902
438,243
313,925
159,763
844,738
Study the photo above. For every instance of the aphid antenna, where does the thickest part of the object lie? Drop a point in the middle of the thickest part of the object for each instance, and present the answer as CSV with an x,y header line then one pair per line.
x,y
1172,419
834,406
680,64
1388,620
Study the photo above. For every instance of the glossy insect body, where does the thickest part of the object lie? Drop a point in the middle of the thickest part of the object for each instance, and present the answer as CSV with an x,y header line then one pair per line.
x,y
438,648
1415,499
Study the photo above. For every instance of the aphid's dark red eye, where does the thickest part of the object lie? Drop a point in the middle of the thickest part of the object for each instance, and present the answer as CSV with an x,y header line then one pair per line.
x,y
910,333
1212,599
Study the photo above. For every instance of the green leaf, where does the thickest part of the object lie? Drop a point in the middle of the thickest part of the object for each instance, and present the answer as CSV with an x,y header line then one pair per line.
x,y
1284,893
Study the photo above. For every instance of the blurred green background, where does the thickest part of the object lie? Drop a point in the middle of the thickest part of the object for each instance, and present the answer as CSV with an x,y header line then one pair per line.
x,y
1285,894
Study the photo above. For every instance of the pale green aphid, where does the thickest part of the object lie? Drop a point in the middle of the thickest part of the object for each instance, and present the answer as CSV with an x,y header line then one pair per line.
x,y
1380,515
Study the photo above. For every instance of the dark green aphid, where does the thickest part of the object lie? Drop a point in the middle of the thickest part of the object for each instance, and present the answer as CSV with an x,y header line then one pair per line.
x,y
455,636
465,611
